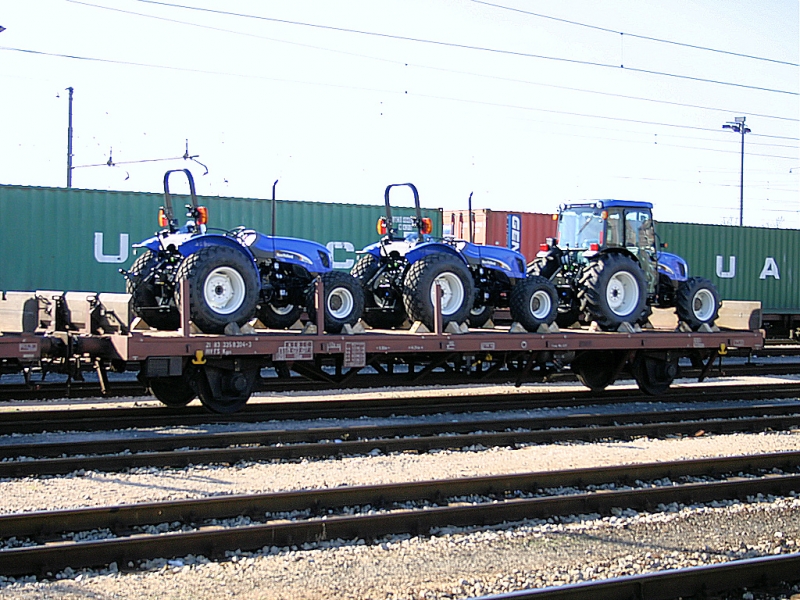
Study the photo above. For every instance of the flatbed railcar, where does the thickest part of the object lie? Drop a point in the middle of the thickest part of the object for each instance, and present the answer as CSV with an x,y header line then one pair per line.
x,y
70,332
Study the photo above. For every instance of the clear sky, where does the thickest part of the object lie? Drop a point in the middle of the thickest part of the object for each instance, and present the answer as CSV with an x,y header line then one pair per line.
x,y
526,103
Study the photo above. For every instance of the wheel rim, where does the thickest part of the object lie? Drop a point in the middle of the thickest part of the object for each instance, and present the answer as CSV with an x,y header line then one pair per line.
x,y
703,305
340,303
281,310
452,292
541,304
478,311
622,293
224,290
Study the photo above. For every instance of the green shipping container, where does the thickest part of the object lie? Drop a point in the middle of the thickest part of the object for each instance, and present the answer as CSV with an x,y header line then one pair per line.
x,y
69,239
745,263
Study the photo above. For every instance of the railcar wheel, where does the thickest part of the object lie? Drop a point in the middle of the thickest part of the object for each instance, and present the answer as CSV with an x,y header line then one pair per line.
x,y
697,302
225,390
146,296
597,369
172,391
379,312
655,371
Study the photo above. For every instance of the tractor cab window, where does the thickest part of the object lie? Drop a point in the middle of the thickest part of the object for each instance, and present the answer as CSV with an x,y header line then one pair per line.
x,y
614,229
639,231
579,227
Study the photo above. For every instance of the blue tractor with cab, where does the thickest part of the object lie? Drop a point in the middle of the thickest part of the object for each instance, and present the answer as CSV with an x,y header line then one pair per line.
x,y
609,269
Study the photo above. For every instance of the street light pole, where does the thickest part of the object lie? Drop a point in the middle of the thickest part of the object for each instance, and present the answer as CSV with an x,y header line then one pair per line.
x,y
738,126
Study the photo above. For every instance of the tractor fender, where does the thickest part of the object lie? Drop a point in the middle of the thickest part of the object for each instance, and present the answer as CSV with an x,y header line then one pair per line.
x,y
196,243
673,266
509,262
427,249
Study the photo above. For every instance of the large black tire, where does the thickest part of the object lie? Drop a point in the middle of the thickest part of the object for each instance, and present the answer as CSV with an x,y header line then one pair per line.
x,y
172,391
613,291
279,317
697,302
567,314
478,316
145,295
344,301
376,313
419,287
223,287
534,302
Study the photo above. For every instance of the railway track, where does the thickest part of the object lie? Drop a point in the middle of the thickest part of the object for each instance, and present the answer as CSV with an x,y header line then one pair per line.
x,y
43,542
270,443
267,409
128,386
755,574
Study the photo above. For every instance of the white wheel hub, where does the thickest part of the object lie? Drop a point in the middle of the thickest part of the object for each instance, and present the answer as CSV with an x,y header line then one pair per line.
x,y
224,290
340,303
452,292
540,305
281,310
703,305
622,293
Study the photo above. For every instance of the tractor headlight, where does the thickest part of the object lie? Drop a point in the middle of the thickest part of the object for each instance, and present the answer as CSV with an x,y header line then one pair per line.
x,y
325,259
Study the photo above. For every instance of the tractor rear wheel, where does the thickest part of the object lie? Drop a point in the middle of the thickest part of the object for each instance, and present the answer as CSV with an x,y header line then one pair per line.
x,y
534,302
378,312
613,291
343,301
223,288
420,289
148,305
697,302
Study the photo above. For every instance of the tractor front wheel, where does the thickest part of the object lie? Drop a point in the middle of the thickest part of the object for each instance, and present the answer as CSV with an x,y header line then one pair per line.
x,y
534,302
697,302
343,301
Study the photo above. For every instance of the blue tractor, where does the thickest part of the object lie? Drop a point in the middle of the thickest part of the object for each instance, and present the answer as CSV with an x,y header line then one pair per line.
x,y
608,269
234,276
400,275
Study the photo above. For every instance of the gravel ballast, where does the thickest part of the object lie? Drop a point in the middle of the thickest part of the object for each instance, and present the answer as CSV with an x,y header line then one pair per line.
x,y
448,564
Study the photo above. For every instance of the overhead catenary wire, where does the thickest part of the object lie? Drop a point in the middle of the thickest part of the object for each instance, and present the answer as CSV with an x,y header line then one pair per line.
x,y
385,91
439,69
471,47
636,35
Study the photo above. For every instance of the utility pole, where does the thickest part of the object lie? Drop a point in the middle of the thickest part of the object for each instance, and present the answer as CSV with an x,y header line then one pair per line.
x,y
69,142
738,126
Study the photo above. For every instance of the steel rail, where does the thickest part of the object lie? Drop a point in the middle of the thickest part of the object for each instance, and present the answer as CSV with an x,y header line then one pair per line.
x,y
692,582
180,458
265,409
270,435
212,541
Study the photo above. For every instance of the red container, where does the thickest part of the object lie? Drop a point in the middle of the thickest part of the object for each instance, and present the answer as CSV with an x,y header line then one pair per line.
x,y
517,230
